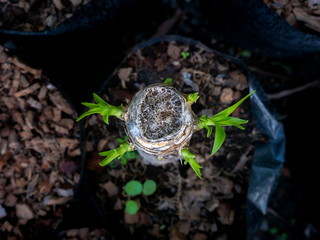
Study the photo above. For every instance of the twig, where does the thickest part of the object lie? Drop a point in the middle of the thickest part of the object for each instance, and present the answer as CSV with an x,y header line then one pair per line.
x,y
288,92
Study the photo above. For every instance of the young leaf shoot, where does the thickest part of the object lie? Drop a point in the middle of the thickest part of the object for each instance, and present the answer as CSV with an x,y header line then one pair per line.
x,y
115,153
103,108
190,158
220,120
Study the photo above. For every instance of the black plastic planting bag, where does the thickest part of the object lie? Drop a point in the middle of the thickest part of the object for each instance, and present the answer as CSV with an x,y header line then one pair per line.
x,y
87,46
267,161
91,16
252,24
268,156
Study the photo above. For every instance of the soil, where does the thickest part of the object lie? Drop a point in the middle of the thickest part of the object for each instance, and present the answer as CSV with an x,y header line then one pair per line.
x,y
39,152
183,207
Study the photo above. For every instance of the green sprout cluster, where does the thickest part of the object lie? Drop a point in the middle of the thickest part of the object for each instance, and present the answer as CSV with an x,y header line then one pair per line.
x,y
219,121
134,188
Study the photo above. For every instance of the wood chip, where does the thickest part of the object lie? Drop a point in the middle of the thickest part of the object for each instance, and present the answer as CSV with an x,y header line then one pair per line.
x,y
27,91
110,187
174,51
23,211
61,103
226,214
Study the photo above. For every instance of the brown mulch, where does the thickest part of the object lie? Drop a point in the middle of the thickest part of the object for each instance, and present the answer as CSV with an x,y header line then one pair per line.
x,y
183,207
35,15
298,13
39,151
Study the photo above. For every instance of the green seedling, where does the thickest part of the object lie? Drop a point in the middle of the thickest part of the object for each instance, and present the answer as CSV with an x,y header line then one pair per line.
x,y
168,81
146,133
134,188
192,98
149,187
185,54
131,207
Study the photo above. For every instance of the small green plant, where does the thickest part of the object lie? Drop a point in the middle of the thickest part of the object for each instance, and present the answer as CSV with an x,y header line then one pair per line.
x,y
131,207
149,187
159,122
134,188
185,54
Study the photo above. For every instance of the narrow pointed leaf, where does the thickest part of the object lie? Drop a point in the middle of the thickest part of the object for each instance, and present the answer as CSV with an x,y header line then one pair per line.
x,y
209,131
196,167
98,99
110,156
105,118
230,110
232,121
92,111
219,138
189,158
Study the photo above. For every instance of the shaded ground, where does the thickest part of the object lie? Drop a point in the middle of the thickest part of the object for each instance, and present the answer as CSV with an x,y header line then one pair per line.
x,y
296,216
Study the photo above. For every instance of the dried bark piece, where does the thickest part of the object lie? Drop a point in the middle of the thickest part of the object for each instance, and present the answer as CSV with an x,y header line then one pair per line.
x,y
226,95
34,103
10,102
124,73
110,187
23,211
27,91
68,143
51,200
60,103
25,68
174,51
226,213
42,92
11,200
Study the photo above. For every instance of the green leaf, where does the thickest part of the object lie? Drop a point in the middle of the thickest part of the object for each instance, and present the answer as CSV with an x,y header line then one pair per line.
x,y
222,118
133,188
115,153
149,187
190,158
232,121
110,156
102,107
120,140
192,97
219,138
128,156
185,54
168,81
131,207
231,109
